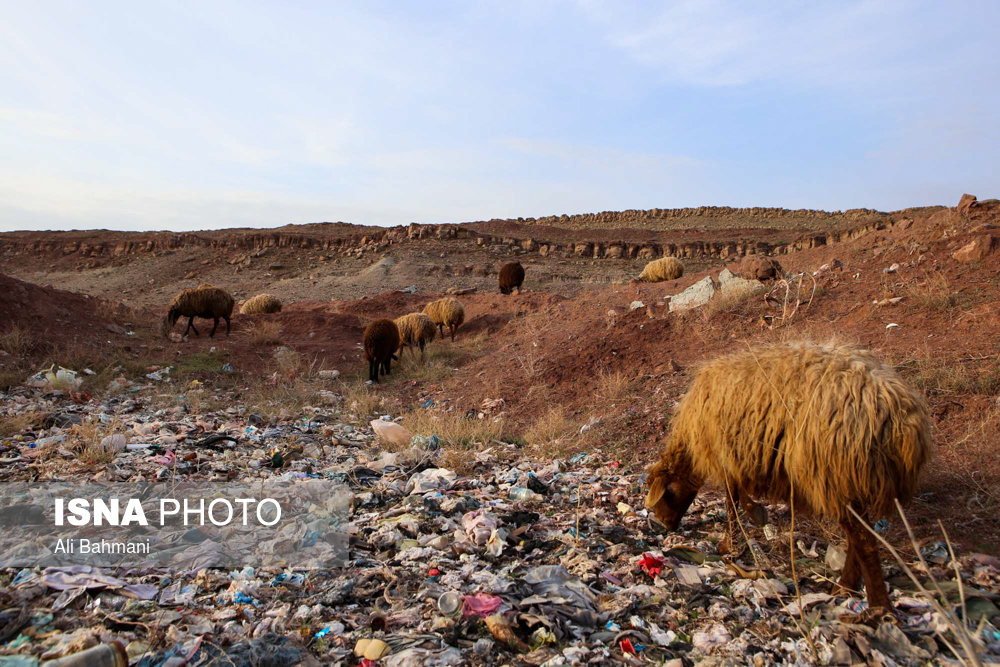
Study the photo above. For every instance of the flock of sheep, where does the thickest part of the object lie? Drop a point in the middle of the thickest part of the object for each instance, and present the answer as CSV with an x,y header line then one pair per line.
x,y
829,429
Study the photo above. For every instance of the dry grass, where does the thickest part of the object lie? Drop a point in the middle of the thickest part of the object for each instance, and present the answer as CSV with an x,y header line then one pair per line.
x,y
118,313
612,387
454,429
282,399
84,441
12,425
935,293
439,359
551,428
17,342
265,332
967,376
739,301
361,401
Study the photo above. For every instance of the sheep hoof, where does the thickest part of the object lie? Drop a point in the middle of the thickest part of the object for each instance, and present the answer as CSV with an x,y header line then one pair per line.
x,y
759,515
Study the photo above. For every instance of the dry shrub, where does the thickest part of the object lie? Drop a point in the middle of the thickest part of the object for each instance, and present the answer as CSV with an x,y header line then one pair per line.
x,y
265,332
740,301
612,387
281,400
11,425
110,311
17,341
84,440
970,376
360,400
935,292
455,429
552,427
289,362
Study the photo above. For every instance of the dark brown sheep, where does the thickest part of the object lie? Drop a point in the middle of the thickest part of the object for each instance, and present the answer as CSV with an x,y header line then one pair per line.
x,y
511,277
211,303
381,341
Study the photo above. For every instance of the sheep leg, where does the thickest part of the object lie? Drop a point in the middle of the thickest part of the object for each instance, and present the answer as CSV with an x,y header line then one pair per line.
x,y
850,576
373,370
227,325
452,327
871,571
388,365
757,513
726,544
190,326
422,358
862,555
215,325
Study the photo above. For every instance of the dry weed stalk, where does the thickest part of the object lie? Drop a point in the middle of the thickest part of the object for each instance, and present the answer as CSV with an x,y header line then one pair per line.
x,y
793,291
969,643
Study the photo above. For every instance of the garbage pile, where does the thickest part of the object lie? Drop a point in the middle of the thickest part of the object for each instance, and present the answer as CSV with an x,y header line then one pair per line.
x,y
508,561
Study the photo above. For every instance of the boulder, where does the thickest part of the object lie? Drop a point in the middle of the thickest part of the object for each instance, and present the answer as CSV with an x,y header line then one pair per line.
x,y
977,249
759,267
696,295
729,282
966,203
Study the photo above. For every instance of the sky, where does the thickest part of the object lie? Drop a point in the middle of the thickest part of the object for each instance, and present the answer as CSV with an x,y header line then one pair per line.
x,y
196,115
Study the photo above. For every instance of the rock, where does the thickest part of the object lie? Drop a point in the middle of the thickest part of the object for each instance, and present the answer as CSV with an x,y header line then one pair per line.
x,y
696,295
636,305
729,282
977,249
836,557
759,267
329,375
966,203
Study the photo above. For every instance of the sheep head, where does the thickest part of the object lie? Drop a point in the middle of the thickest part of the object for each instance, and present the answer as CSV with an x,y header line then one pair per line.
x,y
670,497
672,485
170,320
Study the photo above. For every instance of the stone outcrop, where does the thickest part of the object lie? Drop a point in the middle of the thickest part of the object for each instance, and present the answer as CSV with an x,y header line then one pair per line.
x,y
696,295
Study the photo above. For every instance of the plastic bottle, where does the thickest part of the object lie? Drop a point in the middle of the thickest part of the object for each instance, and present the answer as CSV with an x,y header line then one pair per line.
x,y
521,493
105,655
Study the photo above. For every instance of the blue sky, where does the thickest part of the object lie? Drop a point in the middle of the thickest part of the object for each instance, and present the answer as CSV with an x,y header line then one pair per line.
x,y
195,115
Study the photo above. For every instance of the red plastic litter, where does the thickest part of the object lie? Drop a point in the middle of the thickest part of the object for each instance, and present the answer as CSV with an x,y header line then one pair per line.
x,y
651,564
627,647
433,572
480,604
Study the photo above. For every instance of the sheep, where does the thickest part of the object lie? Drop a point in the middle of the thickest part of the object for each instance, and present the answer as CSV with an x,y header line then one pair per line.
x,y
262,303
446,312
381,340
758,267
664,268
415,329
511,277
203,301
830,423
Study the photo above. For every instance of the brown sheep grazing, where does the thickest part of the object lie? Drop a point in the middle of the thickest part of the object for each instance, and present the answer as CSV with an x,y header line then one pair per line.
x,y
204,301
415,329
381,340
446,312
664,268
511,277
758,267
261,304
831,424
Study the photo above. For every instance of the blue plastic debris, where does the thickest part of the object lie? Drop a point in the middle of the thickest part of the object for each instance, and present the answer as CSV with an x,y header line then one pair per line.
x,y
881,526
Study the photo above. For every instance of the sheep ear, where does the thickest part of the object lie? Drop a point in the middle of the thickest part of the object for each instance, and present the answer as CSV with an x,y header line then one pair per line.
x,y
657,487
